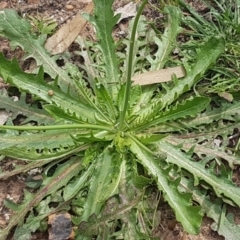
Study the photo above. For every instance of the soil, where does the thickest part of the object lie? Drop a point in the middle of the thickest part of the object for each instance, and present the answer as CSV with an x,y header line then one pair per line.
x,y
12,188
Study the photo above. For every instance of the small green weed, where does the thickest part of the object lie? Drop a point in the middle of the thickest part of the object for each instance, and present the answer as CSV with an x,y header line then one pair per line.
x,y
222,18
42,25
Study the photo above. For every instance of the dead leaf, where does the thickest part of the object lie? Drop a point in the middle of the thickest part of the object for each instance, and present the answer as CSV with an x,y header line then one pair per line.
x,y
159,76
3,116
62,39
129,10
227,96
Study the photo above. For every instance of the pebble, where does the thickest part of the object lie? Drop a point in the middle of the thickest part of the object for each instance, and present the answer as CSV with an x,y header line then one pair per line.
x,y
69,7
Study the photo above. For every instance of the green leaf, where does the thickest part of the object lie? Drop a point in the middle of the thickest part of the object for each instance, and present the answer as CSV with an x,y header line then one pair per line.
x,y
188,215
93,136
32,183
106,102
150,138
36,85
189,108
103,182
95,102
221,185
60,115
157,61
208,150
75,186
50,139
12,205
30,111
168,39
140,181
226,111
50,185
91,227
23,169
26,154
34,221
104,21
213,210
18,30
207,55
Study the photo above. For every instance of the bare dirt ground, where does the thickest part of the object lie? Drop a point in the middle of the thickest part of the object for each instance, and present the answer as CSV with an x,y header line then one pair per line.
x,y
12,188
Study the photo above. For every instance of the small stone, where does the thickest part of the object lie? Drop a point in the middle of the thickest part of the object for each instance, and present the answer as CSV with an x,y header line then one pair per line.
x,y
61,226
69,7
3,5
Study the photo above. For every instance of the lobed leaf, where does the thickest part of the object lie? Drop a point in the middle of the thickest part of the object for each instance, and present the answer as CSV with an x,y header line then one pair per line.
x,y
188,108
20,107
227,228
164,47
226,111
50,185
206,56
221,185
36,85
107,104
77,184
91,227
33,154
206,150
187,214
23,169
168,39
103,182
41,140
93,97
33,221
18,31
104,21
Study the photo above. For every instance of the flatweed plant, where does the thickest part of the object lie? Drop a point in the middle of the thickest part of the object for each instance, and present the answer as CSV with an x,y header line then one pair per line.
x,y
105,144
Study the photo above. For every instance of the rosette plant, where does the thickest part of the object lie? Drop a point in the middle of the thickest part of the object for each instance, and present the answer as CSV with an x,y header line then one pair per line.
x,y
106,146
